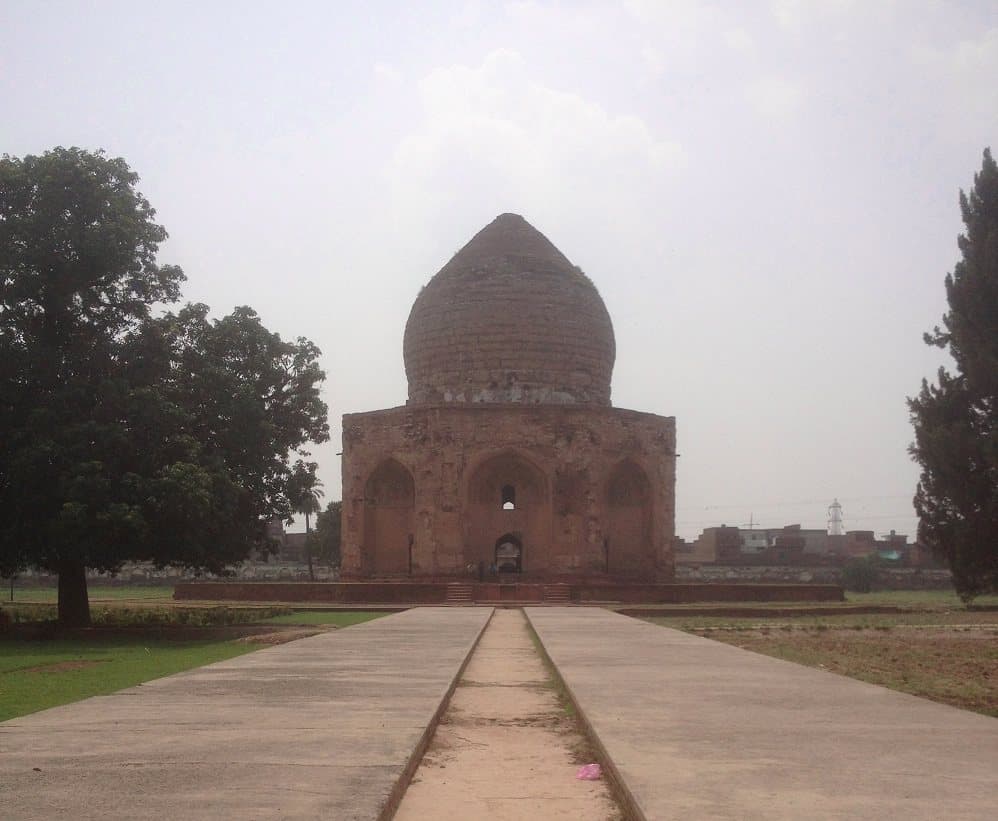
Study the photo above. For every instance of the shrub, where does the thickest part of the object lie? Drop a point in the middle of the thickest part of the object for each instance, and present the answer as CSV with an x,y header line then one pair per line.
x,y
218,616
861,575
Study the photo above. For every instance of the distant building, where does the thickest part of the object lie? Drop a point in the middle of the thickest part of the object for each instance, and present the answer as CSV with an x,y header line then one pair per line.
x,y
862,543
715,543
290,546
792,544
789,537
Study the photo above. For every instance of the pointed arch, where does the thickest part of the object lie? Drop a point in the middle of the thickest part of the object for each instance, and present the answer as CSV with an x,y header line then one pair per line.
x,y
389,504
508,554
507,476
628,529
507,498
628,486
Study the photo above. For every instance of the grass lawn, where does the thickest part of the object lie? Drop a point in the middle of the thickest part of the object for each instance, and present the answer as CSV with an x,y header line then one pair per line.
x,y
341,618
49,595
937,653
35,675
918,598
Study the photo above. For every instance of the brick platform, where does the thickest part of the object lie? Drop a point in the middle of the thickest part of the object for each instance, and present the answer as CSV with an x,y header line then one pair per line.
x,y
490,592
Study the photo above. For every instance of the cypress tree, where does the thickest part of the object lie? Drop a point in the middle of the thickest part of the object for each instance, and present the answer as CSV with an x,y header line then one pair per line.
x,y
956,421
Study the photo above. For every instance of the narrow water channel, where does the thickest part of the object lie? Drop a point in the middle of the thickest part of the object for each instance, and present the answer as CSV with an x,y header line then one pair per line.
x,y
505,748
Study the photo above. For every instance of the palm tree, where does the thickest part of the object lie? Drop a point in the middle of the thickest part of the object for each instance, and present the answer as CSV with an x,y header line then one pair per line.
x,y
304,494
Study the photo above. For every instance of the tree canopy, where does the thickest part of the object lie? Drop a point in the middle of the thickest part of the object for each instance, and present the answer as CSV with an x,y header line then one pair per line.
x,y
956,421
127,435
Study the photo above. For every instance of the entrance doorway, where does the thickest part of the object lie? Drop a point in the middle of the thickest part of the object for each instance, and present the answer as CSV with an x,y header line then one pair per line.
x,y
509,554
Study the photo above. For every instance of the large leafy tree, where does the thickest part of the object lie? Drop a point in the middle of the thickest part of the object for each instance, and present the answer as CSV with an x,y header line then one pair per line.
x,y
78,273
246,402
956,421
129,436
251,398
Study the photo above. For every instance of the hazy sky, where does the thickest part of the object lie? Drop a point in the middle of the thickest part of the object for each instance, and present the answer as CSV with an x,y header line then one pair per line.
x,y
765,195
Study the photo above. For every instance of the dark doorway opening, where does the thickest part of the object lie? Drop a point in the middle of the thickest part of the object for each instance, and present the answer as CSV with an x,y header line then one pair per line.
x,y
509,554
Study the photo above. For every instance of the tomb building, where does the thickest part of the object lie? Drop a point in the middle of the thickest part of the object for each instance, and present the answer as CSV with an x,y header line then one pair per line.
x,y
508,458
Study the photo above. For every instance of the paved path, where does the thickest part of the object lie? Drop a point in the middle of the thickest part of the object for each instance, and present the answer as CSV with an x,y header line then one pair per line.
x,y
700,729
319,728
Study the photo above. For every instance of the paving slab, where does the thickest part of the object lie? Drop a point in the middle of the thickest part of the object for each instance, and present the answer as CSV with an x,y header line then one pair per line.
x,y
323,727
699,729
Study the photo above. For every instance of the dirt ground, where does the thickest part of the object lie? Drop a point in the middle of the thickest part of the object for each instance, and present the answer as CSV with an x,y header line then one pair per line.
x,y
506,749
286,635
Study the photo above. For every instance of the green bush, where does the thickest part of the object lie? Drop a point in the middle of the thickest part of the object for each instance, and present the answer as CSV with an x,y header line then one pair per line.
x,y
861,575
103,616
190,617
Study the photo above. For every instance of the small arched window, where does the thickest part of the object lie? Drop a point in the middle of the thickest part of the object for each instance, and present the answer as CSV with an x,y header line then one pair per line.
x,y
508,497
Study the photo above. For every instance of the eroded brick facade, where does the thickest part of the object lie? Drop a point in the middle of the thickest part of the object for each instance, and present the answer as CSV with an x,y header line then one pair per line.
x,y
509,319
593,490
508,457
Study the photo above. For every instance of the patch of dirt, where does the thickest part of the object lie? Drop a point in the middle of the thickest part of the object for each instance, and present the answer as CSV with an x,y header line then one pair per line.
x,y
284,636
64,666
945,632
505,749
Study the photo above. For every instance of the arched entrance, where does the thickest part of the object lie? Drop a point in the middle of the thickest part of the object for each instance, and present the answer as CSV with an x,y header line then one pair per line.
x,y
509,554
507,494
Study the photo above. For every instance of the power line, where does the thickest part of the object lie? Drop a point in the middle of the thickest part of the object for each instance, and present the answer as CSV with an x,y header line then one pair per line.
x,y
843,499
864,517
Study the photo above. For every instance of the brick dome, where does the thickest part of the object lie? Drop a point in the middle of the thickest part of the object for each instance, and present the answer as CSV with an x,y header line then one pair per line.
x,y
509,319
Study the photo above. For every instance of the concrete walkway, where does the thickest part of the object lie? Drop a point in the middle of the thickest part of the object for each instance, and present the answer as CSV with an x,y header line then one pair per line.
x,y
700,729
323,727
505,750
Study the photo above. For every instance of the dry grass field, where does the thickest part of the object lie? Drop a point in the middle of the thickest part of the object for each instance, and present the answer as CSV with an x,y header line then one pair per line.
x,y
947,655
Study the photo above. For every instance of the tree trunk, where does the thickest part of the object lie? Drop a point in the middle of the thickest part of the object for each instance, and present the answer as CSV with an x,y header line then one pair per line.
x,y
74,604
308,549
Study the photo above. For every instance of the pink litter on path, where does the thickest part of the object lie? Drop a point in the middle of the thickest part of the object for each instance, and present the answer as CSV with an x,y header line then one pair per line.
x,y
589,772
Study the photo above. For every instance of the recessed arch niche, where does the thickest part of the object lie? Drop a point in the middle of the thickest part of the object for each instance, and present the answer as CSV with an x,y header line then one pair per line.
x,y
627,541
389,504
507,495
